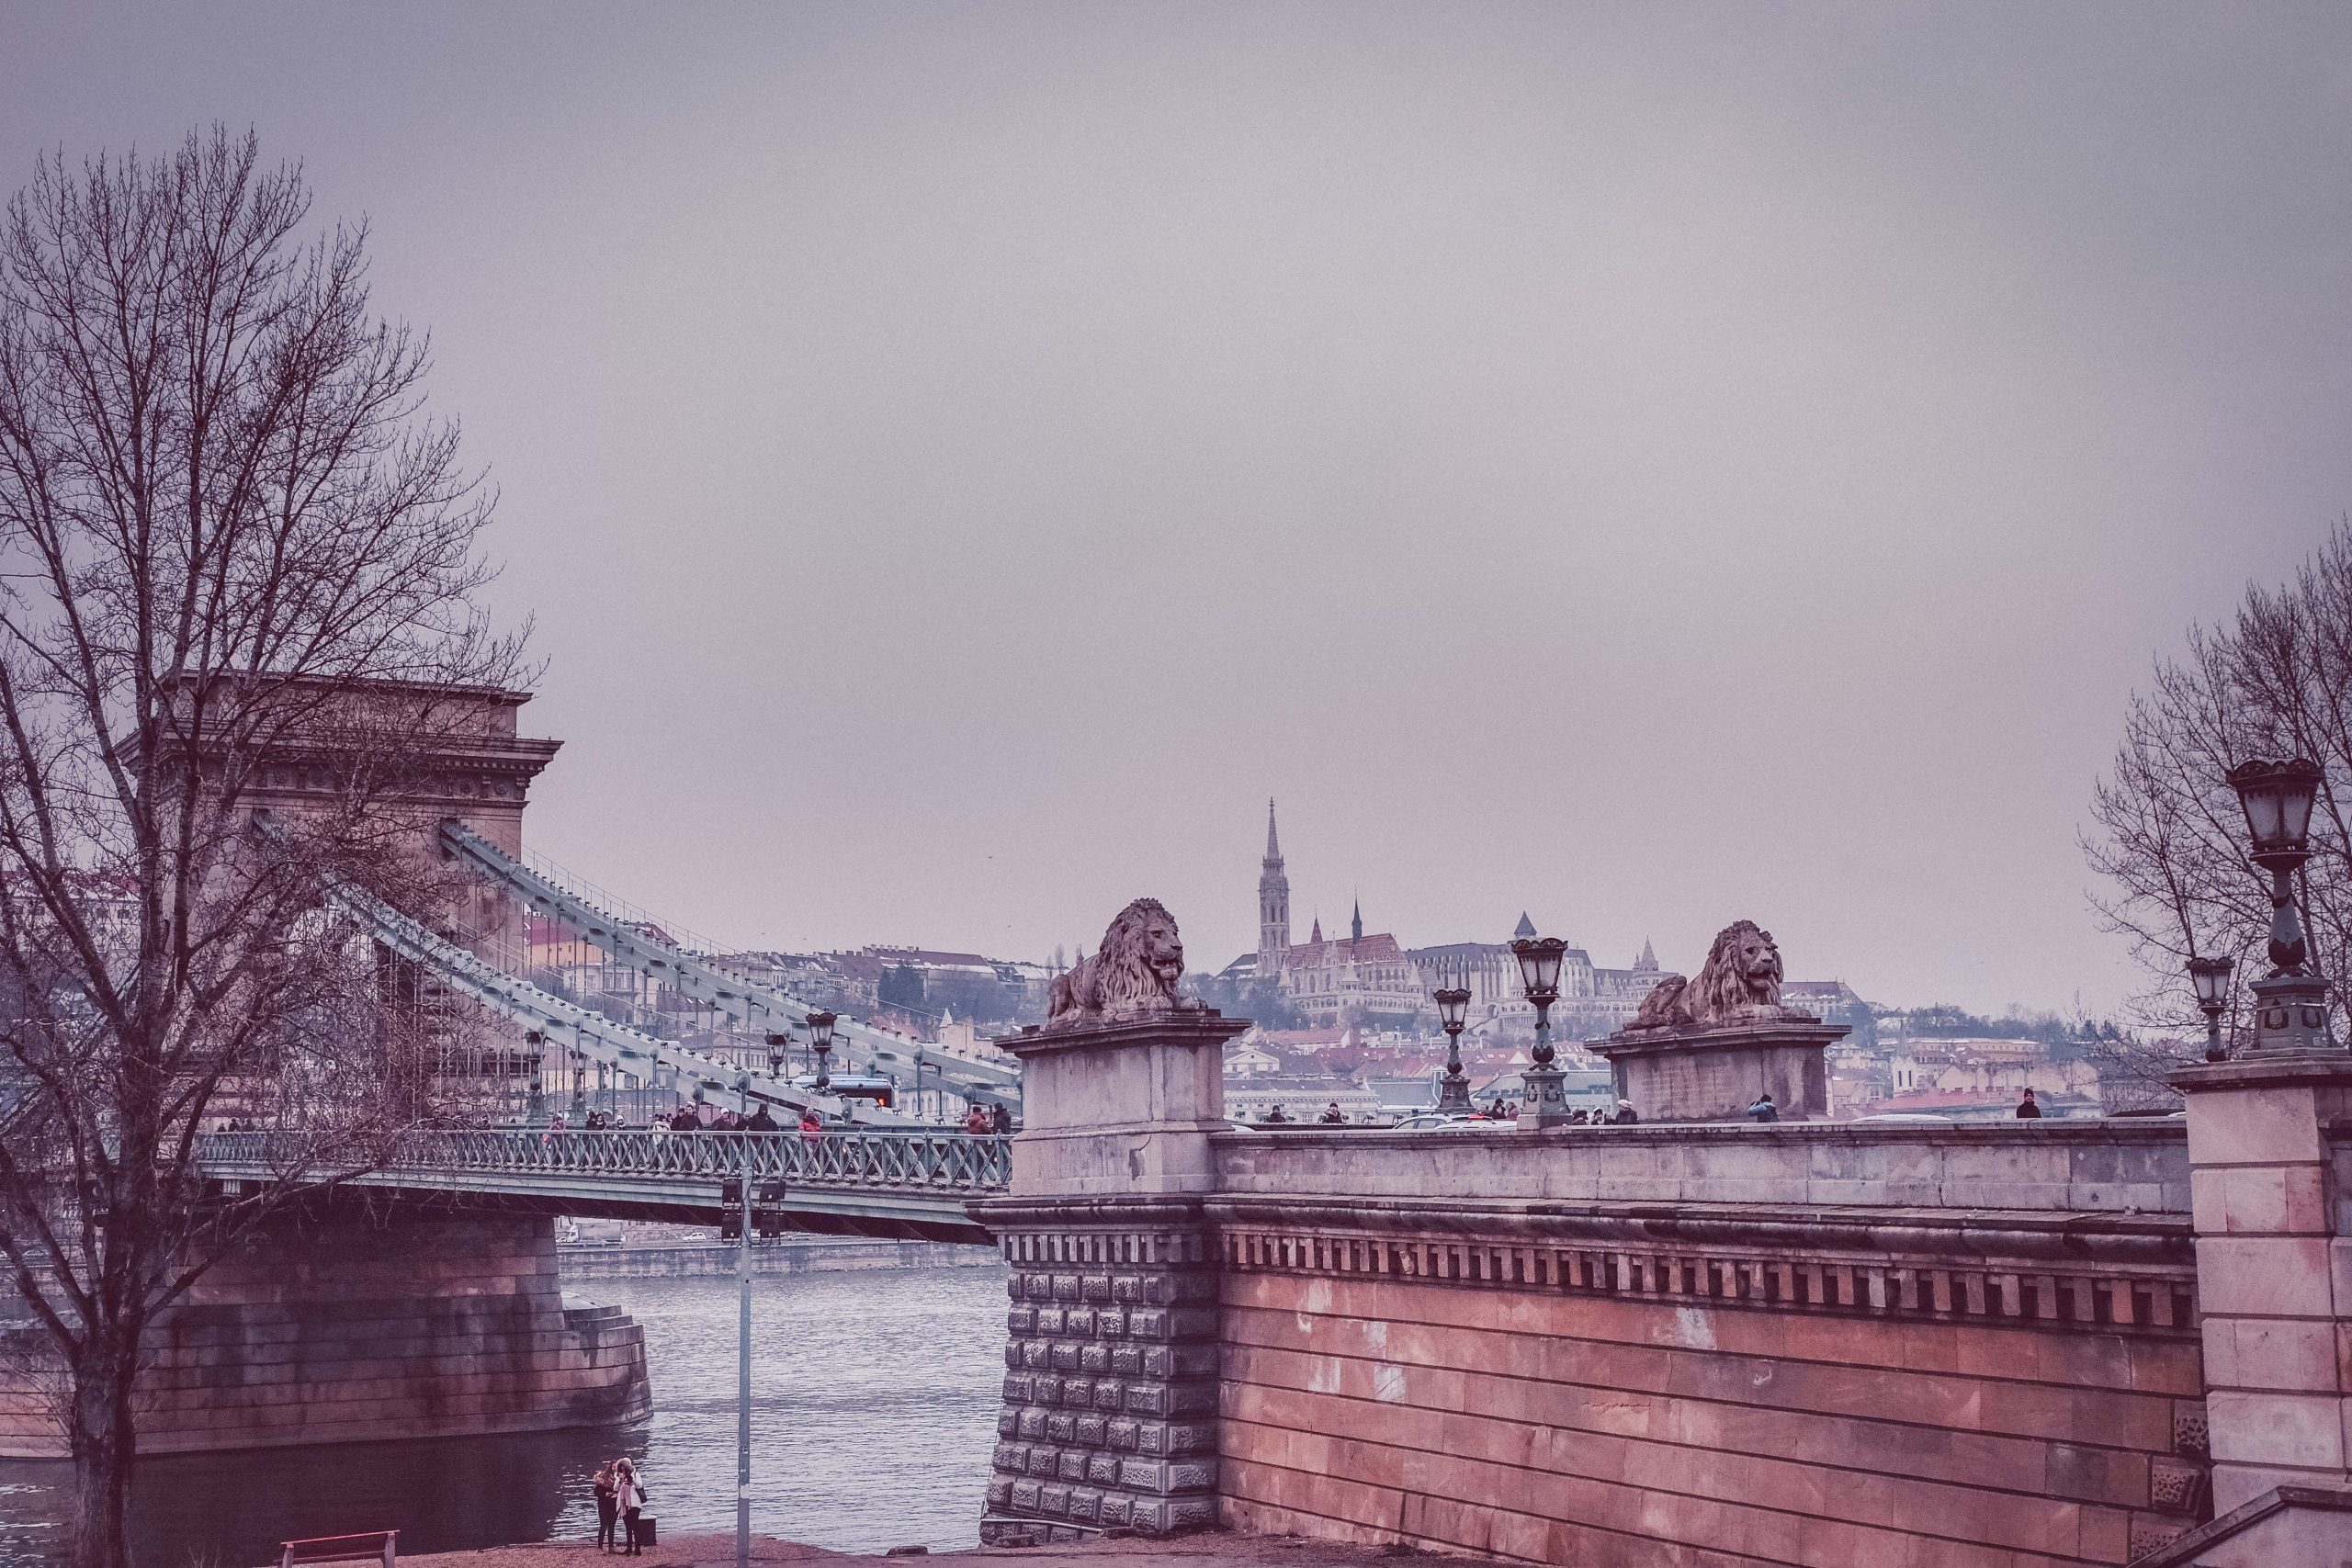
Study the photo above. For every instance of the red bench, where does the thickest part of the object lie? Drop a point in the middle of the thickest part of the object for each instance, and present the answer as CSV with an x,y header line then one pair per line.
x,y
340,1547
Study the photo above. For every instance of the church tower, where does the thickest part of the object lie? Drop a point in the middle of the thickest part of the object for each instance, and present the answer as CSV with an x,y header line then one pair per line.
x,y
1274,906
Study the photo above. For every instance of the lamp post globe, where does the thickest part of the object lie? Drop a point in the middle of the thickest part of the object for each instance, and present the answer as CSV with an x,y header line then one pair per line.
x,y
776,1045
2291,1003
1454,1088
1545,1102
820,1031
920,1060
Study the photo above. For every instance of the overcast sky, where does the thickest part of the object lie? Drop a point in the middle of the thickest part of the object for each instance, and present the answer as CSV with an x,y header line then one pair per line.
x,y
1649,466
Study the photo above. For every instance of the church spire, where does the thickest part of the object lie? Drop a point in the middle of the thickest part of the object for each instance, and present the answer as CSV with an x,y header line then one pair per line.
x,y
1648,960
1355,925
1526,928
1274,906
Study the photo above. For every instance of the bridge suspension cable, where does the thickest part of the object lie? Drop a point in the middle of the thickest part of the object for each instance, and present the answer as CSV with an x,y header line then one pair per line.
x,y
698,976
593,1035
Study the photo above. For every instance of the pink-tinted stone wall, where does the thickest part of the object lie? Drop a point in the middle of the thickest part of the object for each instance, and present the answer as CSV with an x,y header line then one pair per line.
x,y
1633,1428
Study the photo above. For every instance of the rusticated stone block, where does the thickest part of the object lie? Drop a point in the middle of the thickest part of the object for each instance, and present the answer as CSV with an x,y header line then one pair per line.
x,y
1102,1360
1167,1477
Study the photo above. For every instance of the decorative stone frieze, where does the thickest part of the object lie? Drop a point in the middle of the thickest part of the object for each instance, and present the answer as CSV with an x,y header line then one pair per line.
x,y
1960,1272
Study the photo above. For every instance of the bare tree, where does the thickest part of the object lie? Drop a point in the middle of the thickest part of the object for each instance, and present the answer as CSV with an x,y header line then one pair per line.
x,y
236,558
2275,680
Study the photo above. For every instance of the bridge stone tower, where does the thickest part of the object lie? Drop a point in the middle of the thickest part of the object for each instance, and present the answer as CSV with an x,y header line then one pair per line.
x,y
1110,1416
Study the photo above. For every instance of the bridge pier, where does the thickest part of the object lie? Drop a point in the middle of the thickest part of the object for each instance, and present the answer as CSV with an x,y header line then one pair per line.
x,y
351,1322
1110,1416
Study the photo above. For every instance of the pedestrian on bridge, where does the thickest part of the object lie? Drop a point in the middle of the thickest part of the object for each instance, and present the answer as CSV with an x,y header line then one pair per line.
x,y
977,1121
761,1121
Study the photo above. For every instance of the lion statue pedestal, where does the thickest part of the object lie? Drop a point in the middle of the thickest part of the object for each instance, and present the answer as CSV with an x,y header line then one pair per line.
x,y
1703,1050
1109,1419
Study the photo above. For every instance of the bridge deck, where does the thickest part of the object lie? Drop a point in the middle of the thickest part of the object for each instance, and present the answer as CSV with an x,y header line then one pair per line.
x,y
902,1183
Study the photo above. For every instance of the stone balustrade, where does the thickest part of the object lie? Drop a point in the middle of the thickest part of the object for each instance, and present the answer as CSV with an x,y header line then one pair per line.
x,y
2129,1166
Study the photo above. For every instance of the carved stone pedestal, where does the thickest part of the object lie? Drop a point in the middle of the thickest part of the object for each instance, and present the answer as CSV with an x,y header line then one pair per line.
x,y
2271,1177
1544,1099
1110,1418
1714,1073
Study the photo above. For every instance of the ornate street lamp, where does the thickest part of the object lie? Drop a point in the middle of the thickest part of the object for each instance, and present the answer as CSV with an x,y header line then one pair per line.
x,y
1454,1088
1545,1102
820,1031
2290,1004
777,1044
920,1060
579,1086
2211,977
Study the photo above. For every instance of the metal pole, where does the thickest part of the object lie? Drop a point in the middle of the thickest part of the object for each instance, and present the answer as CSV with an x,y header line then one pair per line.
x,y
744,1347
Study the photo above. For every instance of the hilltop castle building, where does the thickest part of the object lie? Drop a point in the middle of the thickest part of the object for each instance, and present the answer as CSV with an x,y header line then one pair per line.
x,y
1375,980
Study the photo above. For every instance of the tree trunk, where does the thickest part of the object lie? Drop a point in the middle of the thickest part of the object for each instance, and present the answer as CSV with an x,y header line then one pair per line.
x,y
104,1443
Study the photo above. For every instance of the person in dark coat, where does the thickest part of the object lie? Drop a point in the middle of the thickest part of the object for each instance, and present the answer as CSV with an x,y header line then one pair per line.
x,y
1764,1109
608,1510
1624,1117
2027,1109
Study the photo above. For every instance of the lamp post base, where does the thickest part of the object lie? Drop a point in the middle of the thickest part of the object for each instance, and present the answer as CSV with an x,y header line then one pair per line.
x,y
2291,1014
1453,1094
1545,1101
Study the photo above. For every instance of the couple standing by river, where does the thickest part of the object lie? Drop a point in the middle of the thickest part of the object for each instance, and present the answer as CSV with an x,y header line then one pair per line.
x,y
620,1501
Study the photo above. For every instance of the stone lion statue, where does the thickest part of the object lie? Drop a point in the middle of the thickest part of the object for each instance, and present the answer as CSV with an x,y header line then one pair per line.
x,y
1133,973
1740,981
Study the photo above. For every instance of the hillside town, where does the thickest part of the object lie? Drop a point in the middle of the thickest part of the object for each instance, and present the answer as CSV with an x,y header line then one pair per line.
x,y
1344,1027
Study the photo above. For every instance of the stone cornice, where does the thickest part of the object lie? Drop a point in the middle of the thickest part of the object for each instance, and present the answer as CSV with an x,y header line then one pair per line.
x,y
2023,1237
1176,1026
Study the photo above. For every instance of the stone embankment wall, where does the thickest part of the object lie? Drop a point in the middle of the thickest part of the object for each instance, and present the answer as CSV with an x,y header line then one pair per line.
x,y
776,1256
1721,1345
350,1325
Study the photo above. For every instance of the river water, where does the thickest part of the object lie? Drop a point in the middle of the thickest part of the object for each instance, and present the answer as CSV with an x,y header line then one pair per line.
x,y
874,1400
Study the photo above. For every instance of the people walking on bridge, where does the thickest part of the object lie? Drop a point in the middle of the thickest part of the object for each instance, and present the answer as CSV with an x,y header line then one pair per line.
x,y
629,1496
608,1510
978,1122
761,1121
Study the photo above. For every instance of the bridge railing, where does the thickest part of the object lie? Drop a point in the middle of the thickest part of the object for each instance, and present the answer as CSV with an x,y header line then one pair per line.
x,y
894,1159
